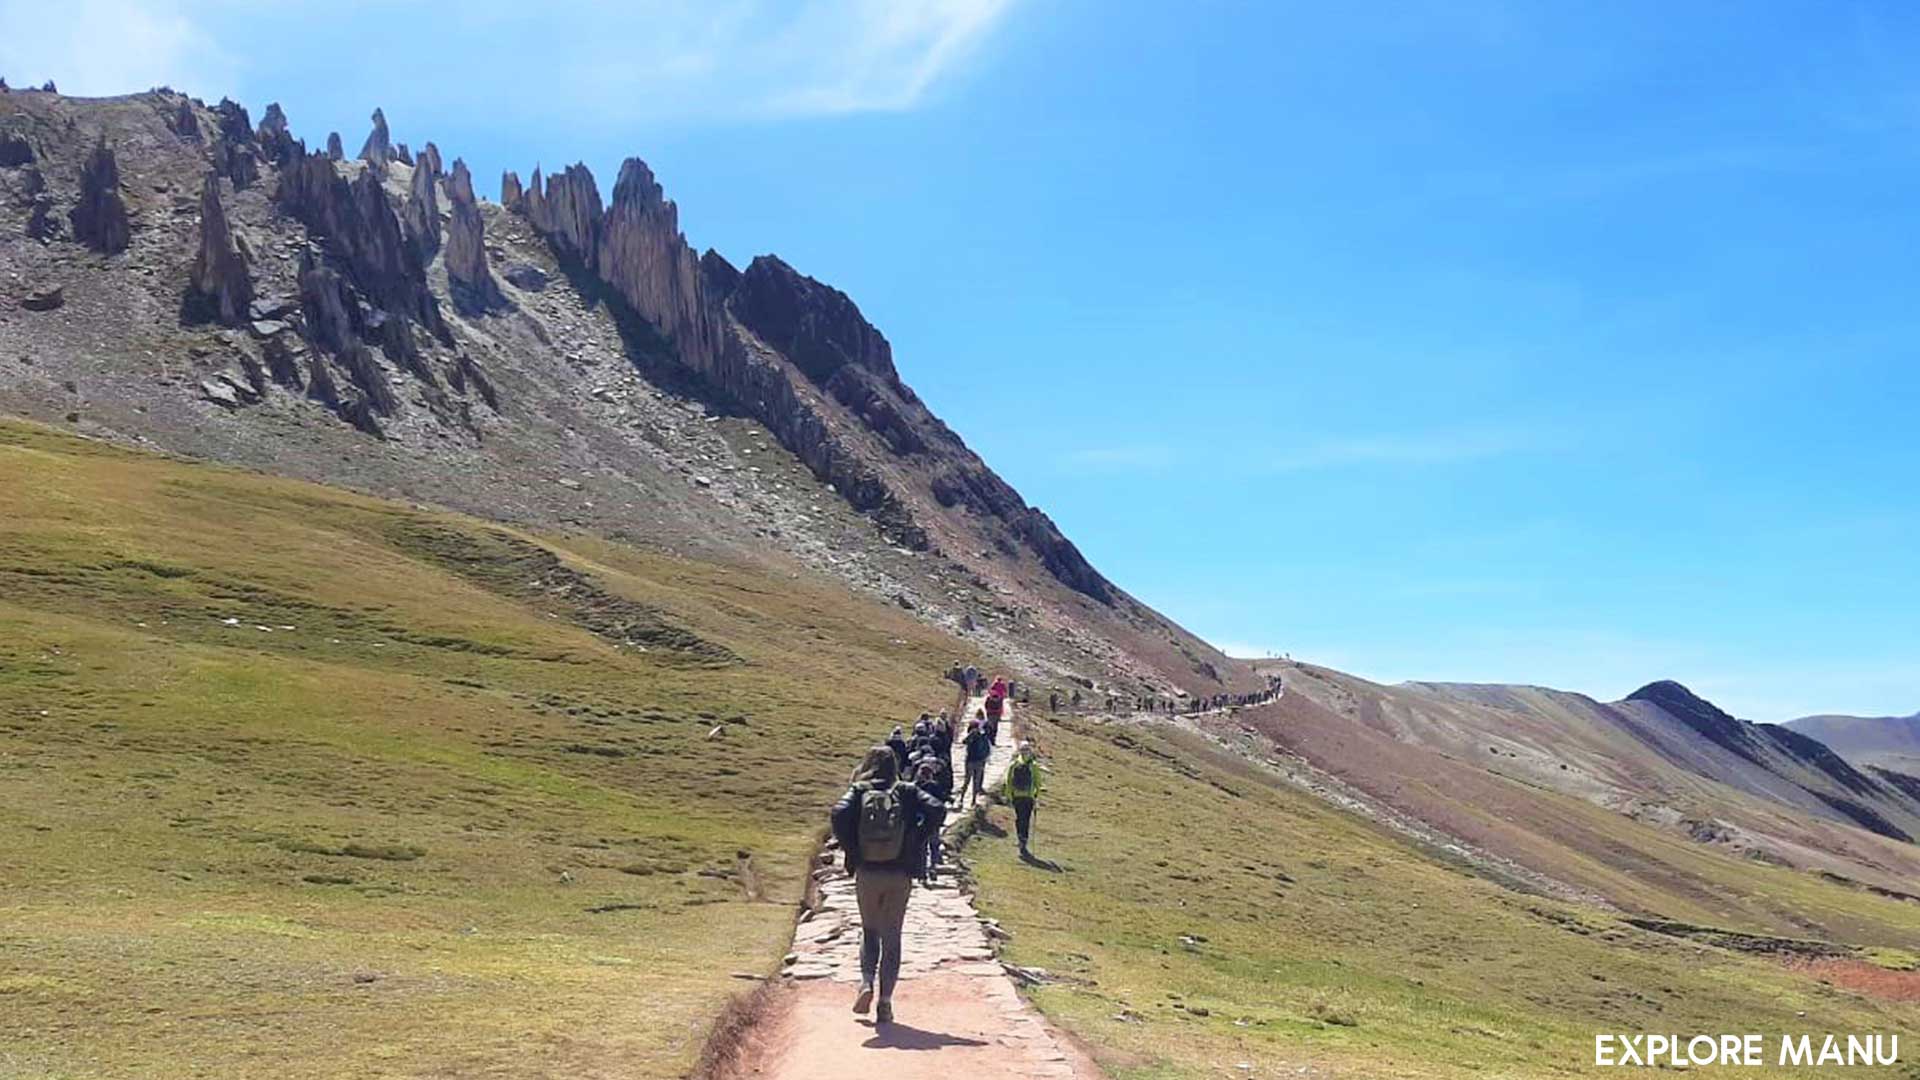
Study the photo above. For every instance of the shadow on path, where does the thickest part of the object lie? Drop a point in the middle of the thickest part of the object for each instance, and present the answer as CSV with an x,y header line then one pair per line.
x,y
896,1036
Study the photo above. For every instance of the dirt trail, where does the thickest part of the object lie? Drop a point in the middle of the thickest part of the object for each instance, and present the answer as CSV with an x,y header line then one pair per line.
x,y
958,1013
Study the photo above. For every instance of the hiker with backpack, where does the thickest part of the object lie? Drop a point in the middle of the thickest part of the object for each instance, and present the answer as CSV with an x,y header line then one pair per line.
x,y
1022,788
979,748
881,824
902,753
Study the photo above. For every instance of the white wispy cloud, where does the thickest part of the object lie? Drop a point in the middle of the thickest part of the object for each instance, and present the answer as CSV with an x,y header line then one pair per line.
x,y
101,47
893,54
649,60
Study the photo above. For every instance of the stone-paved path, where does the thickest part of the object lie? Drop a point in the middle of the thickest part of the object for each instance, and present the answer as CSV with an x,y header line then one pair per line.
x,y
954,996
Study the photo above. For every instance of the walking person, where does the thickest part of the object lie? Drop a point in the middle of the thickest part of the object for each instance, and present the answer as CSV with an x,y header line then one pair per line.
x,y
957,674
1022,788
979,748
881,825
897,742
927,778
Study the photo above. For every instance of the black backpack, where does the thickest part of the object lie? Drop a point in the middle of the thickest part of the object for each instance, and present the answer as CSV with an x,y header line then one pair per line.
x,y
883,825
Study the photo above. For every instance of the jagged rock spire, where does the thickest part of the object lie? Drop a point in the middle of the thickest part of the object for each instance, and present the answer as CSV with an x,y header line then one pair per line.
x,y
422,214
430,160
335,150
511,196
100,218
235,154
403,154
568,213
275,136
219,279
642,254
378,150
467,244
185,123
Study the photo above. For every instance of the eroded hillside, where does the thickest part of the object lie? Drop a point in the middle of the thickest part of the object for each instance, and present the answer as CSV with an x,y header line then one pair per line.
x,y
179,277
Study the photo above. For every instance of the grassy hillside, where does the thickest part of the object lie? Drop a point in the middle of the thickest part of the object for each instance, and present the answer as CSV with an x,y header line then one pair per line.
x,y
1203,917
297,781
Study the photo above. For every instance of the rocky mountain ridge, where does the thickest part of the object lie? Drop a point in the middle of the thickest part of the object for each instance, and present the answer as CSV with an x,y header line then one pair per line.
x,y
471,351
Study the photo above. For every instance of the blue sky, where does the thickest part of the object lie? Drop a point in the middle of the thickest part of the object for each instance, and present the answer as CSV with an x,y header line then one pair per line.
x,y
1560,343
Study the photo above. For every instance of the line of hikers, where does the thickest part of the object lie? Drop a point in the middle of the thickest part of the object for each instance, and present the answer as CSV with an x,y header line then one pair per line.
x,y
888,825
1185,704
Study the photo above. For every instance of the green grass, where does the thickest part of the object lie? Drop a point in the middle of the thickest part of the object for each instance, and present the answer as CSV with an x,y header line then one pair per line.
x,y
464,818
1205,916
345,848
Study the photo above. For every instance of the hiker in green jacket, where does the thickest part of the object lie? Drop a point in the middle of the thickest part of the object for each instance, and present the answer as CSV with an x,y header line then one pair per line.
x,y
1022,788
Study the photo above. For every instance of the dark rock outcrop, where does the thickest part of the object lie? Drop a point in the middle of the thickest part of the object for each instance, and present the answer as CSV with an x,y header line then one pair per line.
x,y
100,219
816,326
377,151
219,286
526,276
1699,714
430,161
467,272
274,135
361,229
236,154
335,151
333,322
403,154
511,196
718,276
184,122
48,299
422,215
15,151
328,309
29,190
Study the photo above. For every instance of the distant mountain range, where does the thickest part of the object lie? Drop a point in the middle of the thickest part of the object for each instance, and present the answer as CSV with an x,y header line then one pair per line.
x,y
1882,744
1614,799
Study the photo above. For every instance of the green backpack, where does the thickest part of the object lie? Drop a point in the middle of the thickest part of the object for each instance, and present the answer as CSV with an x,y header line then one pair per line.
x,y
883,825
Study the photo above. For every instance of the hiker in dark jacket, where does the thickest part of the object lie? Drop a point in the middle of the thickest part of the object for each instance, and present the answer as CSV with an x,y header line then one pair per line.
x,y
927,778
943,751
881,825
897,742
979,749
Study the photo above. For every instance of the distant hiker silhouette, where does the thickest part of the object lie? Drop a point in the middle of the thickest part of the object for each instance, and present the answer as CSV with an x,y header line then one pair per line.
x,y
881,824
963,681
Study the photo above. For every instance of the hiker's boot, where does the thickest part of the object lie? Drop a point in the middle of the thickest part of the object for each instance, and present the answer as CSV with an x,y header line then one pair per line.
x,y
883,1014
864,998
